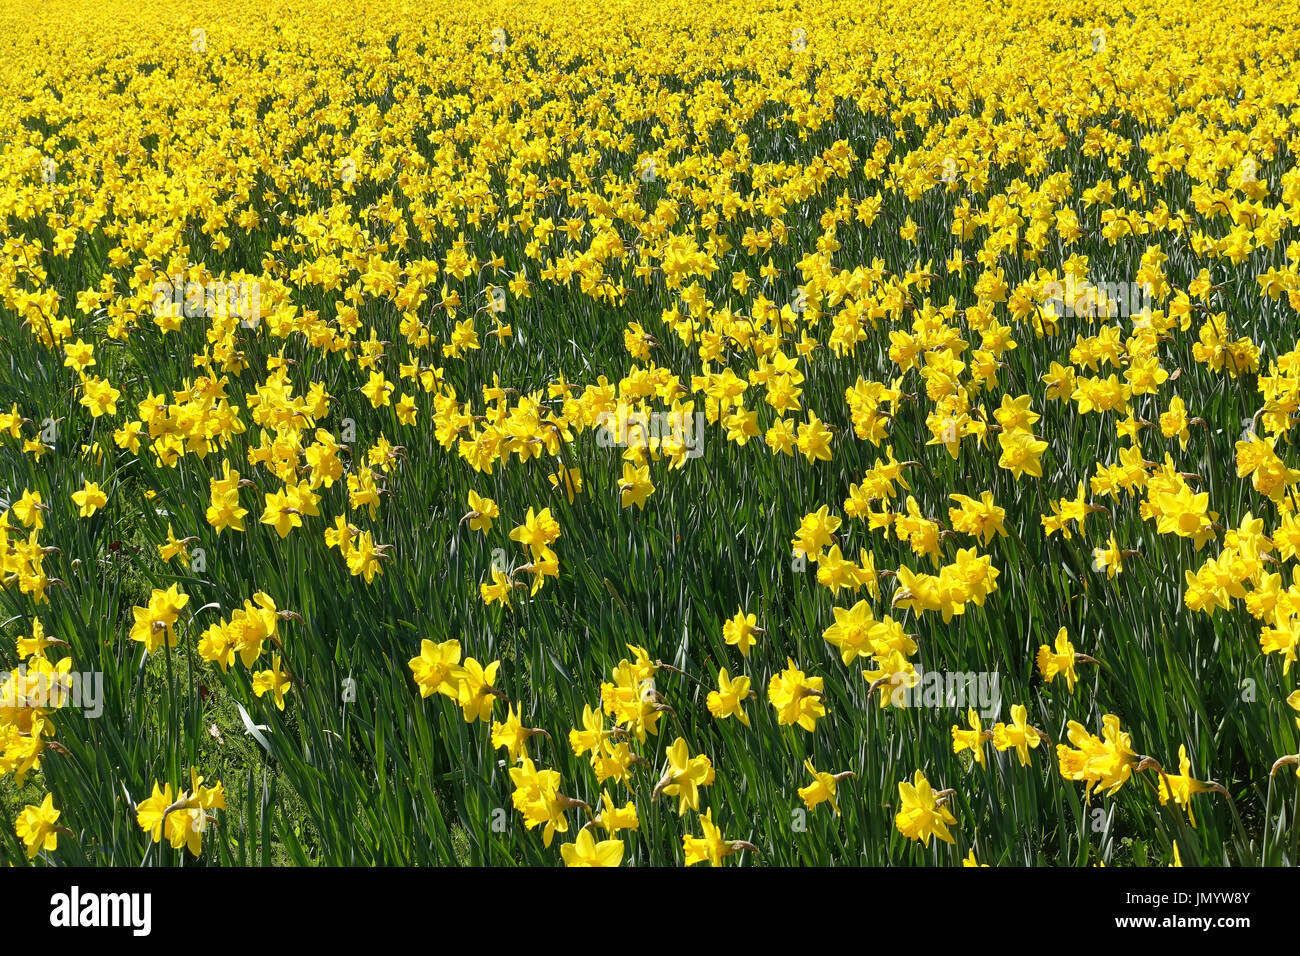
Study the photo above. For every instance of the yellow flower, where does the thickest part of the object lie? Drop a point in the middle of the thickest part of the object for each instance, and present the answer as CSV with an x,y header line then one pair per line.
x,y
37,827
482,512
537,797
636,485
1017,735
571,478
585,851
614,818
684,776
538,530
728,699
89,499
1021,452
476,695
377,390
513,735
924,813
183,818
497,591
276,681
1181,786
224,510
822,789
814,439
711,846
741,630
592,733
437,669
1061,661
36,644
1101,764
853,632
156,622
175,548
28,509
972,739
797,699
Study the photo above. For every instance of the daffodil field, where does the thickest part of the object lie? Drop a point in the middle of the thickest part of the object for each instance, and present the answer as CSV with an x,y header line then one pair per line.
x,y
649,433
